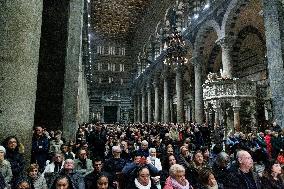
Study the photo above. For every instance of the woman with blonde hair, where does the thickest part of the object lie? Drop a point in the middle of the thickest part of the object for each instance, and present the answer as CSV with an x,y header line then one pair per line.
x,y
37,179
177,179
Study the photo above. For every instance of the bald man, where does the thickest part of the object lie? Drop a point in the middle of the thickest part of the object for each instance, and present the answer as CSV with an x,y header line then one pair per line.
x,y
243,177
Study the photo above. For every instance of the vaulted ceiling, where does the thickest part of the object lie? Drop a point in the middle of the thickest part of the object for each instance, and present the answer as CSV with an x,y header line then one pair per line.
x,y
117,18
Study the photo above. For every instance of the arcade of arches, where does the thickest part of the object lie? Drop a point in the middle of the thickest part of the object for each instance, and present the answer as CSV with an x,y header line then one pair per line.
x,y
65,63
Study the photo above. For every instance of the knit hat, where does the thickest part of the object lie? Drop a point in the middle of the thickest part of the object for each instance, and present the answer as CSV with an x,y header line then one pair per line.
x,y
3,149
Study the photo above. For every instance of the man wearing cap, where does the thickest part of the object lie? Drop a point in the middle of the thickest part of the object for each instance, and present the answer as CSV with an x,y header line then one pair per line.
x,y
5,166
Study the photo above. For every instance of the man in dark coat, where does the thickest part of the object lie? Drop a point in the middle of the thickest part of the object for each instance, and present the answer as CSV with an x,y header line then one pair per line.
x,y
243,177
91,178
40,147
97,140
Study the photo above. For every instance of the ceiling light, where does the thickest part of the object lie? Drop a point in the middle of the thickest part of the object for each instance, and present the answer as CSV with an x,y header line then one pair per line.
x,y
206,6
196,16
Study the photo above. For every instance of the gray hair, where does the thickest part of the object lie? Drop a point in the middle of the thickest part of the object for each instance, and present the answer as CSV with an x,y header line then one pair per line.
x,y
152,150
175,169
144,142
221,157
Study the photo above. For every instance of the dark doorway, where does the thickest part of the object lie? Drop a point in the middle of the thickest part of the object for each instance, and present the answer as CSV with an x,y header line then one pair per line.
x,y
110,114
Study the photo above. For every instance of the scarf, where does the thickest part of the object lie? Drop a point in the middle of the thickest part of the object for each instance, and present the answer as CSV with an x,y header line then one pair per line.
x,y
213,187
177,185
140,186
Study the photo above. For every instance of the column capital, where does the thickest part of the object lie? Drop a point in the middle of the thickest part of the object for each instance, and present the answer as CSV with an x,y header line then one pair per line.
x,y
226,42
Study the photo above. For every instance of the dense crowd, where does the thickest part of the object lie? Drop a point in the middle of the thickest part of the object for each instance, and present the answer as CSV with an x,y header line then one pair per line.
x,y
145,156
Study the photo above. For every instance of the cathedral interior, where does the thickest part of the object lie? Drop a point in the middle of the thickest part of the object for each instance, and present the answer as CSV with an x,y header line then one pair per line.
x,y
68,62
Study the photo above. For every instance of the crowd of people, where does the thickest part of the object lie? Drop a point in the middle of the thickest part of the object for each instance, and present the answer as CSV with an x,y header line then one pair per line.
x,y
145,156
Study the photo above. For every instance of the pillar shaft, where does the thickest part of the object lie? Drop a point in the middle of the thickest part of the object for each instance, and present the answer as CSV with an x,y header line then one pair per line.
x,y
237,122
19,46
166,100
274,25
198,90
73,68
138,108
143,105
226,45
157,103
134,99
149,101
179,94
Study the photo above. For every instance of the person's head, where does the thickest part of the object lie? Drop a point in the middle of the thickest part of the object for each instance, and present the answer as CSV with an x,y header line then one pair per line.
x,y
207,177
82,154
62,182
144,145
68,165
222,160
245,160
97,164
205,152
143,176
58,157
184,151
170,151
98,127
272,168
39,130
23,183
57,135
123,145
2,153
172,160
102,182
136,157
198,158
33,170
153,152
11,143
177,172
116,151
64,148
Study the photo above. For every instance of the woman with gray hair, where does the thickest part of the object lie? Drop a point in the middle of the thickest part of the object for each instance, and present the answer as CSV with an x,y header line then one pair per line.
x,y
177,179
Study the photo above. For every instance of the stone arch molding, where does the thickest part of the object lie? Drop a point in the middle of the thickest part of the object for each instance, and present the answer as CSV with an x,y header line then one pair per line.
x,y
232,12
200,34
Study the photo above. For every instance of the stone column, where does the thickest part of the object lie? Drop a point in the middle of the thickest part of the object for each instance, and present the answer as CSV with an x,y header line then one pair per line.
x,y
226,45
149,100
157,112
134,100
143,105
19,46
216,118
138,107
72,68
166,97
206,110
237,121
179,93
274,25
197,63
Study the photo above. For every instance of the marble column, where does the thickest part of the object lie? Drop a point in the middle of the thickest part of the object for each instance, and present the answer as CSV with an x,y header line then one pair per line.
x,y
166,98
134,100
73,67
274,26
179,94
143,105
19,46
237,121
216,118
157,103
149,101
226,45
138,107
206,110
197,63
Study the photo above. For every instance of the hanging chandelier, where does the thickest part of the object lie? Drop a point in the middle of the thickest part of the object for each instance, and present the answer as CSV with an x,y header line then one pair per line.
x,y
175,49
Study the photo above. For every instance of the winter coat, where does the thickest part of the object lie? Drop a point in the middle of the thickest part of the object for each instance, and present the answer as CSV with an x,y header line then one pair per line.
x,y
169,185
5,169
40,147
17,162
114,165
269,182
40,183
80,168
